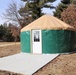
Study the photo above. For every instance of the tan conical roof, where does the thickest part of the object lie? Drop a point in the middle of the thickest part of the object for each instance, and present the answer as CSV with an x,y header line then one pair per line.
x,y
48,22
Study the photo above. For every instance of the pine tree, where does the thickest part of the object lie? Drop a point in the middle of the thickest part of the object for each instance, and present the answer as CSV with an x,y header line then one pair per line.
x,y
33,8
62,6
59,10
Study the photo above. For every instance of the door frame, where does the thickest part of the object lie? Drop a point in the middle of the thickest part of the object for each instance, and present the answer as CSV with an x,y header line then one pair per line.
x,y
31,43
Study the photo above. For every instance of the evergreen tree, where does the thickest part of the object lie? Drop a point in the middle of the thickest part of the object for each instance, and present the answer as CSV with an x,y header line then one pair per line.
x,y
9,33
33,8
59,10
68,1
65,1
62,6
2,32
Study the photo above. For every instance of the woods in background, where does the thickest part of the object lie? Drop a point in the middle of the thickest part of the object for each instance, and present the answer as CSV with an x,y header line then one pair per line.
x,y
22,15
9,33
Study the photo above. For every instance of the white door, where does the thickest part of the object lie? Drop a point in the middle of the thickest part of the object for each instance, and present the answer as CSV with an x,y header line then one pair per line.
x,y
36,42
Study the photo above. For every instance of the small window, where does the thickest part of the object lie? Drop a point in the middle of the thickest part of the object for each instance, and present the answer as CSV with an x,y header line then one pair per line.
x,y
36,36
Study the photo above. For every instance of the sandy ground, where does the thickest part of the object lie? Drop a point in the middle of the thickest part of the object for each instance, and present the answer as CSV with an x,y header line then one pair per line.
x,y
62,65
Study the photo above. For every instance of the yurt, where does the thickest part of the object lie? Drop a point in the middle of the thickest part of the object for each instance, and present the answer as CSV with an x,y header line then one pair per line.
x,y
47,35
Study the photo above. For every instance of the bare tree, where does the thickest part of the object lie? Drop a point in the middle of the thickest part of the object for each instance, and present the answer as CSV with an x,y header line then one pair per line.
x,y
11,13
69,15
15,31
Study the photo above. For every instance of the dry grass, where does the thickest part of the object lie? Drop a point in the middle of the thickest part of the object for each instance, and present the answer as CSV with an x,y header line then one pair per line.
x,y
6,51
9,50
3,43
8,73
62,65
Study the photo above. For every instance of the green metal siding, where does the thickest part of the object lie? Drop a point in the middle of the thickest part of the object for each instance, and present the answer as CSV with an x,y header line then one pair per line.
x,y
57,41
25,41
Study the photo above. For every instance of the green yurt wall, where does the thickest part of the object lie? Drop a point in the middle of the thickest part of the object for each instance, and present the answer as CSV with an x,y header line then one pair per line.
x,y
53,41
57,36
25,41
58,41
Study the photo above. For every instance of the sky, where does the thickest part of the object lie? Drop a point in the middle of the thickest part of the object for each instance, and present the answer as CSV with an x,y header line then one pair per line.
x,y
4,5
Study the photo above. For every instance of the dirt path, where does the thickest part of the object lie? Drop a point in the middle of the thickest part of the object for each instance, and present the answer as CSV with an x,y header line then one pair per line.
x,y
2,45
